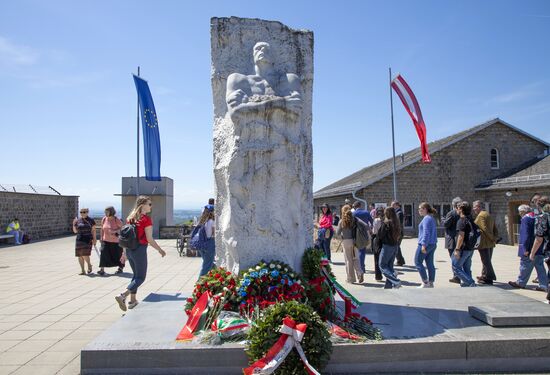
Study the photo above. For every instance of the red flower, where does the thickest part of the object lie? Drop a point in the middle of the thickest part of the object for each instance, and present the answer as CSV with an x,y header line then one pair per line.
x,y
217,276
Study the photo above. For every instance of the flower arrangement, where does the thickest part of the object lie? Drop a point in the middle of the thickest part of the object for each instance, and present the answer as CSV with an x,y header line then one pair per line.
x,y
221,284
265,284
319,293
316,342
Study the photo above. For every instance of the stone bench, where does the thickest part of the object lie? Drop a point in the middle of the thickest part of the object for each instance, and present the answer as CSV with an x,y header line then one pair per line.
x,y
6,237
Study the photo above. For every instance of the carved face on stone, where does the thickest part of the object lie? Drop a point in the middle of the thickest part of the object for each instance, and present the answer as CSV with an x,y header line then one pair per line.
x,y
262,53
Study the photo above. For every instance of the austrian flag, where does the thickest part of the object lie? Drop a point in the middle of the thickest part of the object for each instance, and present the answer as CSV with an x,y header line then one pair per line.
x,y
411,105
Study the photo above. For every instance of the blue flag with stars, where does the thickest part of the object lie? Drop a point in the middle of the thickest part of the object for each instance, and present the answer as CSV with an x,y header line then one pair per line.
x,y
150,126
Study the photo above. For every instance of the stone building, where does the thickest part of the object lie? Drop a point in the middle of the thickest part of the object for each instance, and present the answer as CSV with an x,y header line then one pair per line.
x,y
494,162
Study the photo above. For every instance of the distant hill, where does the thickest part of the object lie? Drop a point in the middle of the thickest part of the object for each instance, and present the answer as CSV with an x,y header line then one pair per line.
x,y
180,215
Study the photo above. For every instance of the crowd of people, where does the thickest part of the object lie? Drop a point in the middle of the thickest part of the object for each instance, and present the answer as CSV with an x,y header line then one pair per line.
x,y
113,255
468,228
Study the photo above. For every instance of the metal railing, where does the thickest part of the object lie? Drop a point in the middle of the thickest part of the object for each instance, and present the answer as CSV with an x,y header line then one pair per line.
x,y
511,180
29,189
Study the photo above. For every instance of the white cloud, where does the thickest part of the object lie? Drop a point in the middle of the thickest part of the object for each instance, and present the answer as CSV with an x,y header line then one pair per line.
x,y
12,54
517,95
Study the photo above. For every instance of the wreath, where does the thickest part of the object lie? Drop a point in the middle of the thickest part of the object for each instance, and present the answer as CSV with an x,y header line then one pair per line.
x,y
319,293
221,284
316,342
265,284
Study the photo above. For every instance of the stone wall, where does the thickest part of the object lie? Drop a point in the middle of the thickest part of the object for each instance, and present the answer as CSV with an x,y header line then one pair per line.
x,y
172,232
40,215
454,171
504,208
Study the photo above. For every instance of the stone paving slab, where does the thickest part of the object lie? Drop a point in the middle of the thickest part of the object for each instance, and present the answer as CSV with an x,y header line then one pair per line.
x,y
530,313
41,279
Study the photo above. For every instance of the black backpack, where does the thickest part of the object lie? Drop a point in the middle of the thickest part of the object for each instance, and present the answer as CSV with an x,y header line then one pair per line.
x,y
474,237
128,237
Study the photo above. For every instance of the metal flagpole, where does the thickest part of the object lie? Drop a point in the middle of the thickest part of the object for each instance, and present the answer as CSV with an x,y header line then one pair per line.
x,y
393,144
137,181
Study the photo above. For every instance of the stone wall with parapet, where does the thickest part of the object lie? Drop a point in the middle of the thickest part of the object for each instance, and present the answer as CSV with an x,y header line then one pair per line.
x,y
40,215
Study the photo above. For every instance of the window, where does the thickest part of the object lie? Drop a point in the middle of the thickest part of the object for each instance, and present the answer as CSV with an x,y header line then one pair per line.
x,y
495,162
408,219
437,208
442,211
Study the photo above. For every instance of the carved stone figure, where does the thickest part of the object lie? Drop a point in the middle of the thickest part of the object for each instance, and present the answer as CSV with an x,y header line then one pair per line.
x,y
262,161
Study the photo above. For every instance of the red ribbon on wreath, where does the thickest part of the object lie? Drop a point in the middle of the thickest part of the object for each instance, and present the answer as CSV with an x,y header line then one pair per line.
x,y
291,335
194,318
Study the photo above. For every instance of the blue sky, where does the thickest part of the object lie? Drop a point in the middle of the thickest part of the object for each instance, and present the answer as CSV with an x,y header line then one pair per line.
x,y
68,101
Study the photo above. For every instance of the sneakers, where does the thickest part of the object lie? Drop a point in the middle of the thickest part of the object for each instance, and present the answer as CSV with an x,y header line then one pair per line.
x,y
513,284
455,280
484,282
121,300
131,304
424,285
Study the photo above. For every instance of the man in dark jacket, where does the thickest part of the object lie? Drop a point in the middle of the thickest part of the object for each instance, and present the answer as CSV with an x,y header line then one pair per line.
x,y
399,260
449,222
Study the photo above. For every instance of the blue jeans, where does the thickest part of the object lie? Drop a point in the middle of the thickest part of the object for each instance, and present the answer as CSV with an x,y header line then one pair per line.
x,y
362,256
325,245
138,262
208,255
420,258
526,267
462,267
387,257
17,235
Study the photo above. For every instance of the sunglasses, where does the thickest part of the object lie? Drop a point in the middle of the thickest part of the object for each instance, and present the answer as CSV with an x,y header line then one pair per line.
x,y
83,212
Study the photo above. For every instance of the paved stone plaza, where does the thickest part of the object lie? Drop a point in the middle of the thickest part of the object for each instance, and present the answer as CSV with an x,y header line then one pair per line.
x,y
48,313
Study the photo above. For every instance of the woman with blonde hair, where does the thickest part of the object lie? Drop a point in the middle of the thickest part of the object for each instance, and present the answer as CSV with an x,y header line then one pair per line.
x,y
427,243
138,257
111,252
389,235
208,254
347,229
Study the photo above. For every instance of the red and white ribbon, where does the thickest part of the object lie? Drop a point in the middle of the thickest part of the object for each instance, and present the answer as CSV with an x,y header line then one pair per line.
x,y
292,334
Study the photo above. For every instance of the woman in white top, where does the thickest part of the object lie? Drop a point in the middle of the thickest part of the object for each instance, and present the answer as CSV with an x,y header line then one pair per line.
x,y
208,254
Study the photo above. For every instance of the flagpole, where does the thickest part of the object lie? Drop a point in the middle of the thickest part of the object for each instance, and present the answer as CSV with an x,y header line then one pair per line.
x,y
137,181
393,143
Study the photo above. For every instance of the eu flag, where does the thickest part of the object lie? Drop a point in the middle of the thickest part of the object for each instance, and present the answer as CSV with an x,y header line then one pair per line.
x,y
150,125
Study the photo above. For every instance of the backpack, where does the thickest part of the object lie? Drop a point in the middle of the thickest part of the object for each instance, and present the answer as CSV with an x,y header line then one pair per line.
x,y
474,237
198,238
26,239
128,237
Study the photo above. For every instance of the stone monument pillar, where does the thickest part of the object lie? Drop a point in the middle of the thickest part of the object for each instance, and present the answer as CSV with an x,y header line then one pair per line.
x,y
262,78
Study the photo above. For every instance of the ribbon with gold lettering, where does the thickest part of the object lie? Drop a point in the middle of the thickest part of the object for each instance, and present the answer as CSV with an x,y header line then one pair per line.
x,y
197,312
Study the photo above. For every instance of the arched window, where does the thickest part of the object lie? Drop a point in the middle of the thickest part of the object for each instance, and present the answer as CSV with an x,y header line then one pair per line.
x,y
495,162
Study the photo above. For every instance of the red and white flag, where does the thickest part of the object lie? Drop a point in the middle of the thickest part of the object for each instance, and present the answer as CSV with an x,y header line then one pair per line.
x,y
411,105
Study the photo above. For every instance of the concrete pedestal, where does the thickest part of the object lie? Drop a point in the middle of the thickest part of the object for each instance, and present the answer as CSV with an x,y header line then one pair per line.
x,y
425,330
161,194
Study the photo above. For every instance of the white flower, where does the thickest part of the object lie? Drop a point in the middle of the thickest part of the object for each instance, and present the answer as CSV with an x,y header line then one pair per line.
x,y
278,266
286,269
251,270
225,289
271,266
299,282
258,268
292,275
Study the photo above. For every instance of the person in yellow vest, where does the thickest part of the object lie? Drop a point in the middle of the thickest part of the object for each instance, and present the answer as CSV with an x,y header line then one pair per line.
x,y
14,229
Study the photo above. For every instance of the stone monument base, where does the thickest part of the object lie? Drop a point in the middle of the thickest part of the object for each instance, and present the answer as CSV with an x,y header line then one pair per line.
x,y
425,330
